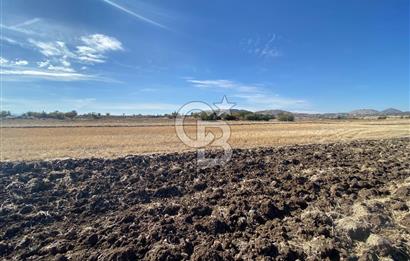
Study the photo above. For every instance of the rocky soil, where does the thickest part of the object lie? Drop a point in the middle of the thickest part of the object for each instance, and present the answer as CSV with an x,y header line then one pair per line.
x,y
313,202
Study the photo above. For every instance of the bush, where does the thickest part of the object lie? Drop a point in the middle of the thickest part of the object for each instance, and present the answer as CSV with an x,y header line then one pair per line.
x,y
286,117
5,114
258,117
71,114
382,117
209,116
229,117
173,115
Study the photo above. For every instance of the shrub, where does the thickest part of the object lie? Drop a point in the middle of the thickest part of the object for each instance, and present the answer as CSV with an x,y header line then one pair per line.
x,y
229,117
286,117
382,117
5,114
71,114
258,117
173,115
209,116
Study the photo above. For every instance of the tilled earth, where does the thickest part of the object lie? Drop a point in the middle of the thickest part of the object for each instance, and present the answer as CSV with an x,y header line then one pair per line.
x,y
313,202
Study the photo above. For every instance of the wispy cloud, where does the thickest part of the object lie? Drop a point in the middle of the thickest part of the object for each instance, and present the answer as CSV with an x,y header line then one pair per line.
x,y
21,62
95,47
223,84
18,30
18,68
92,50
253,96
59,57
8,40
47,75
263,47
27,23
266,101
128,11
7,63
3,61
56,48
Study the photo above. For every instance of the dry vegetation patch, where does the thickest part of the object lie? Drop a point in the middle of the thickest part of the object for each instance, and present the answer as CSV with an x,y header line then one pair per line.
x,y
56,141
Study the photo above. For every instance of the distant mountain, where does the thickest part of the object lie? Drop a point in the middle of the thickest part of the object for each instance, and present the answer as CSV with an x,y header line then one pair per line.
x,y
271,112
239,111
391,111
364,112
337,115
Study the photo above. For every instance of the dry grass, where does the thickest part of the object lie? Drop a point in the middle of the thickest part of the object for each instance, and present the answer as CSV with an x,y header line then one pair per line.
x,y
159,136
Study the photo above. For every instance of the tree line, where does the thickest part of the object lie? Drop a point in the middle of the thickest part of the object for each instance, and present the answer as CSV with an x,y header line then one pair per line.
x,y
206,116
244,116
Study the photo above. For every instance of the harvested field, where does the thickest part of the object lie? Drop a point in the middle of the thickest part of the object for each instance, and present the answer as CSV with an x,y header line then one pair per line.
x,y
315,202
33,140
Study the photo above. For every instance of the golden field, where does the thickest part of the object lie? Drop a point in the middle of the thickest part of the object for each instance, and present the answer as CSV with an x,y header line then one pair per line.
x,y
36,139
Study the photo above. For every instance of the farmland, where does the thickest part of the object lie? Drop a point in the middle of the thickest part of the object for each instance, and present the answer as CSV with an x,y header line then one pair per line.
x,y
131,190
40,139
312,202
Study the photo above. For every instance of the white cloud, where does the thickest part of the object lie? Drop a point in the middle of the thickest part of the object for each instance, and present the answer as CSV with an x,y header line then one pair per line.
x,y
102,43
7,63
223,84
21,62
89,55
57,48
60,68
271,101
253,96
49,75
65,62
58,64
60,58
43,63
27,23
8,40
142,18
96,45
18,30
3,61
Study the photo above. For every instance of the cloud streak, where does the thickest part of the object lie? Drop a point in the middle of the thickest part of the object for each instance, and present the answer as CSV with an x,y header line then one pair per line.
x,y
253,96
47,75
140,17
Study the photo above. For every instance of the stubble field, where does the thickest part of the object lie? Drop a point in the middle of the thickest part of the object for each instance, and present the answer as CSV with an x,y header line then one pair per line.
x,y
34,140
344,196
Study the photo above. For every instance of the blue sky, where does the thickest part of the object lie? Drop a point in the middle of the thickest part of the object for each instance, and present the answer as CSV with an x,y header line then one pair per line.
x,y
124,56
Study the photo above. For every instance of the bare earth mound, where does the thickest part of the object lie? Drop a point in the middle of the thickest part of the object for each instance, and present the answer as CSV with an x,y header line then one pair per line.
x,y
328,201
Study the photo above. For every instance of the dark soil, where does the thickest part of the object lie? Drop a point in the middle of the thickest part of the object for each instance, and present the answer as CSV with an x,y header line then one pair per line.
x,y
312,202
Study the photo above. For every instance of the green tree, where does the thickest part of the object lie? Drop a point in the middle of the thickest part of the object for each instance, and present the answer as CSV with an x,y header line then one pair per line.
x,y
4,114
285,116
71,114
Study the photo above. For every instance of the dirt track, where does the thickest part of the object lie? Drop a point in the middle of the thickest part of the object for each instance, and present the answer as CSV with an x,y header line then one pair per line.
x,y
314,202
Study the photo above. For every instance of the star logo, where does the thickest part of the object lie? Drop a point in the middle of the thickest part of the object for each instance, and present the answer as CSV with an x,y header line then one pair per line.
x,y
224,107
